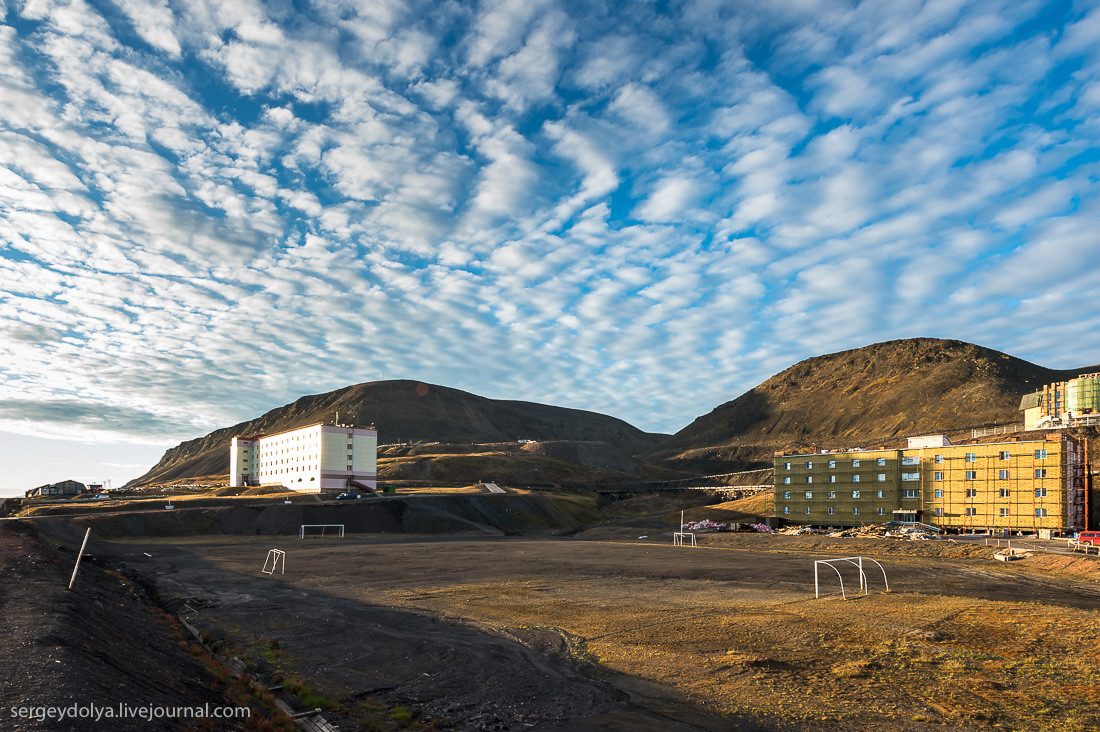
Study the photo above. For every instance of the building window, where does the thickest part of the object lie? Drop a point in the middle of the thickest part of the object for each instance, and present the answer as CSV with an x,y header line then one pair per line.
x,y
1040,472
880,494
832,478
881,477
807,509
881,461
1040,492
910,461
855,463
855,494
939,493
832,494
786,509
1041,512
855,478
831,510
971,457
1003,512
972,475
971,492
881,512
787,480
786,466
939,512
938,475
1006,493
971,511
911,477
786,494
809,479
832,463
855,510
909,493
1040,454
938,459
1004,455
809,465
1002,474
809,494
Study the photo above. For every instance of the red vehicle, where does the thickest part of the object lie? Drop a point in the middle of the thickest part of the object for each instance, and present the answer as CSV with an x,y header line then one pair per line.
x,y
1086,537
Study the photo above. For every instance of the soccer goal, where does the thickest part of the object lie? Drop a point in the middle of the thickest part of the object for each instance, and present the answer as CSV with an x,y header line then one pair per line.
x,y
855,561
276,560
683,538
320,529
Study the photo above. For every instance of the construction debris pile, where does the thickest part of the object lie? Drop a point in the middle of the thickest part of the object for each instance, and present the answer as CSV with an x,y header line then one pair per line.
x,y
908,533
704,525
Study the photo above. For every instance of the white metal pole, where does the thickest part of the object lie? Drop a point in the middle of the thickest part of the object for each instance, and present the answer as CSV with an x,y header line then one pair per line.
x,y
79,555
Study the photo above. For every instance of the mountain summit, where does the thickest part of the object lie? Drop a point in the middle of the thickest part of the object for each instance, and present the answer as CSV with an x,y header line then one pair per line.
x,y
876,393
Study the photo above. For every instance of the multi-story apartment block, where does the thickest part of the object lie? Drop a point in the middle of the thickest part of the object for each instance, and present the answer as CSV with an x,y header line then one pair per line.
x,y
1019,486
321,457
1063,404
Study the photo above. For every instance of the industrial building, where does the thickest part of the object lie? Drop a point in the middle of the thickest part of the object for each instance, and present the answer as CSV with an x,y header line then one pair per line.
x,y
58,490
321,457
1027,486
1070,403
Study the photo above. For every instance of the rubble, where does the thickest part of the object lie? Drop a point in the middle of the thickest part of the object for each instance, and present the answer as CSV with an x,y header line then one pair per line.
x,y
704,525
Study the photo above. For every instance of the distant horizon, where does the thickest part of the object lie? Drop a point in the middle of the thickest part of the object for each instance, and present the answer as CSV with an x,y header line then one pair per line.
x,y
8,490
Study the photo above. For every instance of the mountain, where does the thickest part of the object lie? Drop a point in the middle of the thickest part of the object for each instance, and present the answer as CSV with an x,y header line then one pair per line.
x,y
875,394
405,411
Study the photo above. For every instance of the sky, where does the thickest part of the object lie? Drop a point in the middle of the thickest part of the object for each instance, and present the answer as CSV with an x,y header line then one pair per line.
x,y
211,208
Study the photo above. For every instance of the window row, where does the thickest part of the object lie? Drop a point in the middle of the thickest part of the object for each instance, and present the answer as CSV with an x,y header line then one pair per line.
x,y
970,457
1002,493
1001,474
907,493
1002,512
831,510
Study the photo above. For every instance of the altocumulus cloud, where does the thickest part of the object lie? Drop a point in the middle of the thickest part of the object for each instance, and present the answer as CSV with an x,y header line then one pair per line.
x,y
210,208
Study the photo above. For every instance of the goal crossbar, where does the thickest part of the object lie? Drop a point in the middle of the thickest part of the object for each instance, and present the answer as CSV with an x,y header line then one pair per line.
x,y
683,538
322,527
276,558
857,562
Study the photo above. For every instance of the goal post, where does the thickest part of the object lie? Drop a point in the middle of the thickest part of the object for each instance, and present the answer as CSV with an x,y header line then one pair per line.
x,y
323,527
276,560
857,562
683,538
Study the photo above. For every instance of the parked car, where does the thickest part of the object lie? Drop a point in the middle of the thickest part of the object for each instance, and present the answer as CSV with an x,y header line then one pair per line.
x,y
347,496
100,497
1086,537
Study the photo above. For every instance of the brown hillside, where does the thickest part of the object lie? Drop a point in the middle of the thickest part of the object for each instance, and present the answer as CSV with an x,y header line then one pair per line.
x,y
405,411
875,393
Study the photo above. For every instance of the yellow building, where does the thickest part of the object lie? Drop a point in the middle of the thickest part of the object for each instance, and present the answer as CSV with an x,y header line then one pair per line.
x,y
1020,485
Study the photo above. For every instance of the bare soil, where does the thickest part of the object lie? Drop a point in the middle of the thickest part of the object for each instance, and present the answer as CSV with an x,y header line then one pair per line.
x,y
505,633
522,611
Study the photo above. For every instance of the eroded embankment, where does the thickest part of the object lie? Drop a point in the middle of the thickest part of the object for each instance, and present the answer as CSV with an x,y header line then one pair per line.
x,y
490,515
95,657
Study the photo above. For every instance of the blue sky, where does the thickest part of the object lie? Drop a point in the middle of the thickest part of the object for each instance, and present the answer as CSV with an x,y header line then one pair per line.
x,y
208,209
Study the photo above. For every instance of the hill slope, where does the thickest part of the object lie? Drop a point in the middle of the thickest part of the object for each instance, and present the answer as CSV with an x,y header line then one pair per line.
x,y
405,411
875,393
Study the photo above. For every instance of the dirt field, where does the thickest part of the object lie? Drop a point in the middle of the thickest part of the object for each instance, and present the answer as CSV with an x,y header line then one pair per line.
x,y
501,633
526,611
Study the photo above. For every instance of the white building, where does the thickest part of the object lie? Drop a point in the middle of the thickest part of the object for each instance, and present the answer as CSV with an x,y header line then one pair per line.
x,y
321,457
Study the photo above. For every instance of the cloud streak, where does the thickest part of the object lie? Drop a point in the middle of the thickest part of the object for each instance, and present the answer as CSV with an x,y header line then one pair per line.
x,y
209,209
